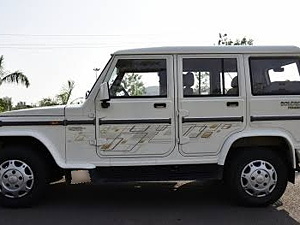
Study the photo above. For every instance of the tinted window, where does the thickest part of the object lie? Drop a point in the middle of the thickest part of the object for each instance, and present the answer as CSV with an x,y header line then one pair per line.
x,y
139,78
275,76
210,77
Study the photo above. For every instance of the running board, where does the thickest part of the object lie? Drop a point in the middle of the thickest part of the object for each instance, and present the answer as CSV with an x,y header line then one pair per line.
x,y
156,173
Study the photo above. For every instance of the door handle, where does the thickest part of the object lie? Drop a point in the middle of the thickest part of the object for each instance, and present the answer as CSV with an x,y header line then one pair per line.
x,y
232,104
160,105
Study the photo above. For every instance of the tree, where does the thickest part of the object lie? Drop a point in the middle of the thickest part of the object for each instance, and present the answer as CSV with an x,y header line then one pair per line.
x,y
15,77
5,104
62,98
65,94
22,105
202,82
224,40
202,78
47,102
133,85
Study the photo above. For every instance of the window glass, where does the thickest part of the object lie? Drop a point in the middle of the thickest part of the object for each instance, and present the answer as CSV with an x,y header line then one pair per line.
x,y
210,77
275,76
139,78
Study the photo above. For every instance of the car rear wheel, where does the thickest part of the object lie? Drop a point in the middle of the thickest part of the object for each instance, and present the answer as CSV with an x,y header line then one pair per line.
x,y
257,177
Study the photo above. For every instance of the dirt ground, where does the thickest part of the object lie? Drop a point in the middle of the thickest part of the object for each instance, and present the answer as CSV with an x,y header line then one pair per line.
x,y
291,199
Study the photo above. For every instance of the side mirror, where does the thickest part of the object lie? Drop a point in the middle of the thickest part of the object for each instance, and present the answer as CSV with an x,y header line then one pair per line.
x,y
104,95
87,93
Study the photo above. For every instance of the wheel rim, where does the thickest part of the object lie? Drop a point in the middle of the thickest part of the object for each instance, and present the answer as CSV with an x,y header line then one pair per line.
x,y
259,178
16,179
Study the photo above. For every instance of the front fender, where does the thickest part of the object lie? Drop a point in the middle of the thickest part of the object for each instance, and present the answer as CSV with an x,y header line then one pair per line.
x,y
55,147
57,154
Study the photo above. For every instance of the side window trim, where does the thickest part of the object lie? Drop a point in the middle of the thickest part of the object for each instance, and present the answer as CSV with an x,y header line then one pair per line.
x,y
222,85
168,64
266,88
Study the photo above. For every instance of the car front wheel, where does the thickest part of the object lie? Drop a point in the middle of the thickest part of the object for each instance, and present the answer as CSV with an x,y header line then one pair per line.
x,y
22,177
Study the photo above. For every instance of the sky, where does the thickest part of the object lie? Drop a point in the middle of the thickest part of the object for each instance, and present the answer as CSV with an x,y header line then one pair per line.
x,y
53,41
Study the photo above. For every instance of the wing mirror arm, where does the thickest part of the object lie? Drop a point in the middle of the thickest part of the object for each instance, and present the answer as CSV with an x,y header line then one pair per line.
x,y
104,95
105,104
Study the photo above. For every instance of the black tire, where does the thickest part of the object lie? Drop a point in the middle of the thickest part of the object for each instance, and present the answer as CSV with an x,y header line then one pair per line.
x,y
22,177
256,177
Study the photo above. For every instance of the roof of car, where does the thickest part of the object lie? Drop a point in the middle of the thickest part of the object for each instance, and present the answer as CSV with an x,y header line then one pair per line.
x,y
210,49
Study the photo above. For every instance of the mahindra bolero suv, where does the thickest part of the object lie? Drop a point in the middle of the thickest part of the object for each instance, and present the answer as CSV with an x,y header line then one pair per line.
x,y
167,113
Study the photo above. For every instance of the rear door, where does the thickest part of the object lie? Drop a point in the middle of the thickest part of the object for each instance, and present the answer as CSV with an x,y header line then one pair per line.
x,y
211,102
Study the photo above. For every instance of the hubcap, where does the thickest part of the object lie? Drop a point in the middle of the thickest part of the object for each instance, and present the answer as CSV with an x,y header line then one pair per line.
x,y
16,179
258,178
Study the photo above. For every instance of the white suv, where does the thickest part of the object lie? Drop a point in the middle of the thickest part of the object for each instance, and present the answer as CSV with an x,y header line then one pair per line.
x,y
170,113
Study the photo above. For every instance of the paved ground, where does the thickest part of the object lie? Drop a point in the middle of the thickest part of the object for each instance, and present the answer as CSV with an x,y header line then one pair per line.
x,y
163,203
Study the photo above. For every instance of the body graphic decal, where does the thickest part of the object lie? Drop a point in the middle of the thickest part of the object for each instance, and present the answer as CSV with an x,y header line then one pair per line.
x,y
131,137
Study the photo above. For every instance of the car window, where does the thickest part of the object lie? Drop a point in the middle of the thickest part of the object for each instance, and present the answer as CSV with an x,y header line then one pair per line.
x,y
210,77
275,76
139,78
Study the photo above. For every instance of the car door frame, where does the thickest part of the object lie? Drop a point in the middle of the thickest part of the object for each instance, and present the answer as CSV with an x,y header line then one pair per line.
x,y
182,113
169,100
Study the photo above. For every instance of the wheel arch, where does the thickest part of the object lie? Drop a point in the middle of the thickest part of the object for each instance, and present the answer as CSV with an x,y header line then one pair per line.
x,y
41,145
276,140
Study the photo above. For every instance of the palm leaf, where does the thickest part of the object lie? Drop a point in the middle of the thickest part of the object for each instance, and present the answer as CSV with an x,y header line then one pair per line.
x,y
16,77
66,93
1,61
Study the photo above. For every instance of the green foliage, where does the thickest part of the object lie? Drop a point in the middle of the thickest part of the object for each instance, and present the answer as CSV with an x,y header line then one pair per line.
x,y
225,40
133,85
202,82
47,102
7,77
5,104
15,77
63,97
202,78
22,105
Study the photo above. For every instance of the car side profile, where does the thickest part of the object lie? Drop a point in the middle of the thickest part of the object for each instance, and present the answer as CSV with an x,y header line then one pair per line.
x,y
166,113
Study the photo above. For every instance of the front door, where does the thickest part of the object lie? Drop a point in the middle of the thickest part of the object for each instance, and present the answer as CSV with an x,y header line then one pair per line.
x,y
211,102
139,122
